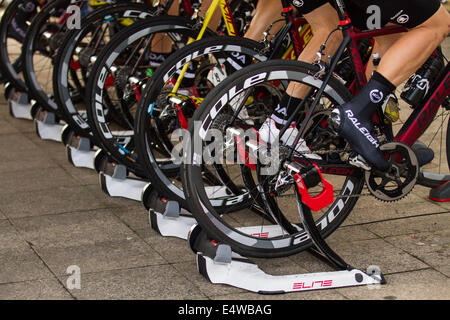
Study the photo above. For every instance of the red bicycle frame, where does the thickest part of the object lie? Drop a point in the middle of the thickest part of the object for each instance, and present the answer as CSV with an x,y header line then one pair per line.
x,y
419,120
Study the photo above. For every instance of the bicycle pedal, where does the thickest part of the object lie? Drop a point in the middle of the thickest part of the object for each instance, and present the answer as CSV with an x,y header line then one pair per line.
x,y
359,162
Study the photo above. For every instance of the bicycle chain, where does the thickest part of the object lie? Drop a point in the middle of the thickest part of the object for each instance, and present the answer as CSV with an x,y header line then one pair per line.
x,y
322,152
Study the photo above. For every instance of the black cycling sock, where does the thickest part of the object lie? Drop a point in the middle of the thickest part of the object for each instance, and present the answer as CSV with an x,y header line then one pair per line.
x,y
284,110
236,61
18,26
157,58
355,119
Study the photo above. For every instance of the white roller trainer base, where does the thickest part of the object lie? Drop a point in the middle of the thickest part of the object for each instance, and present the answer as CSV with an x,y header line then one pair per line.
x,y
179,226
80,158
79,152
19,110
246,275
48,131
124,187
232,269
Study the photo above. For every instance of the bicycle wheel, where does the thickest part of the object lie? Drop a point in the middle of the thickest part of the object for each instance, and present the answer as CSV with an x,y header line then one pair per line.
x,y
171,111
74,61
13,26
118,76
252,234
45,35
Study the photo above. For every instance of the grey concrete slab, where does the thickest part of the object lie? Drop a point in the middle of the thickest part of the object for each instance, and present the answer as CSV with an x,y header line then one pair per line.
x,y
444,270
414,285
93,240
362,254
433,248
155,283
33,180
173,250
349,233
83,176
411,226
22,125
26,161
10,239
6,127
55,150
102,256
136,216
21,265
16,142
381,211
53,201
45,289
75,228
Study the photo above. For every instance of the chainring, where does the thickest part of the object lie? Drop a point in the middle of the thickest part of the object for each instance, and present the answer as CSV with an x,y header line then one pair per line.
x,y
401,178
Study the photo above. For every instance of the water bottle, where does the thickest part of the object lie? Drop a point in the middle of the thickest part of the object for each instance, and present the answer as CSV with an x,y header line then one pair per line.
x,y
418,85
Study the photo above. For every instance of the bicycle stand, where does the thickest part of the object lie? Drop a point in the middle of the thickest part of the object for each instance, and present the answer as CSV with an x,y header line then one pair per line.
x,y
174,222
220,265
116,182
18,103
46,125
78,149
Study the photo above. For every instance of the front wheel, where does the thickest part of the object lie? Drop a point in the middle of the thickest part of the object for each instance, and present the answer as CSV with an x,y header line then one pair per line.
x,y
270,226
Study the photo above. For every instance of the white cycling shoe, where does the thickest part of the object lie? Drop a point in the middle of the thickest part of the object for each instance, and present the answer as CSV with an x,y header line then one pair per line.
x,y
269,134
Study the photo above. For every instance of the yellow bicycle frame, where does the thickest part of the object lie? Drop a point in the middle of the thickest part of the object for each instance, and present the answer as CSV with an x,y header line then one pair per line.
x,y
231,29
305,33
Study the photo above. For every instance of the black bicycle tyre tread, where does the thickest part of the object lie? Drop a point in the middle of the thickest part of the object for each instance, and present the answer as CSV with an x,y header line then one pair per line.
x,y
189,183
68,44
153,173
6,66
184,24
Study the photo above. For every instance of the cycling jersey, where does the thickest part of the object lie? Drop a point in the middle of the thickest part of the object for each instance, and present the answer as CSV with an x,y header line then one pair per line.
x,y
408,13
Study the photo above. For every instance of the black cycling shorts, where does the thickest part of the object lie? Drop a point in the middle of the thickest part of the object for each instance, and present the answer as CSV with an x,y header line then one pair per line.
x,y
408,13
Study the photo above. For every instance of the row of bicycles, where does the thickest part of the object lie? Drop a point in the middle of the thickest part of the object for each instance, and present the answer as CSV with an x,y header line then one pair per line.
x,y
163,99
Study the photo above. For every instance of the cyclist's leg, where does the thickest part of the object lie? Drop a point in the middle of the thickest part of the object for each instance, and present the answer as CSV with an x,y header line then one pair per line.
x,y
162,44
381,46
267,11
323,20
407,54
215,20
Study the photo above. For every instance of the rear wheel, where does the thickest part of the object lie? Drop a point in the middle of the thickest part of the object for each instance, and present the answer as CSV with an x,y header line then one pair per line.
x,y
278,230
118,76
157,129
41,44
13,26
73,62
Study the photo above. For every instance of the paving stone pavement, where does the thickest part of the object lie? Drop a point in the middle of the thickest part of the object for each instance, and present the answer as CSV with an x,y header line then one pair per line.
x,y
53,216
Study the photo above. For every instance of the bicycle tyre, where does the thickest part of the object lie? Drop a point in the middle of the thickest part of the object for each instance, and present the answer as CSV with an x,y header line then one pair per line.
x,y
204,213
96,119
216,45
10,69
62,62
